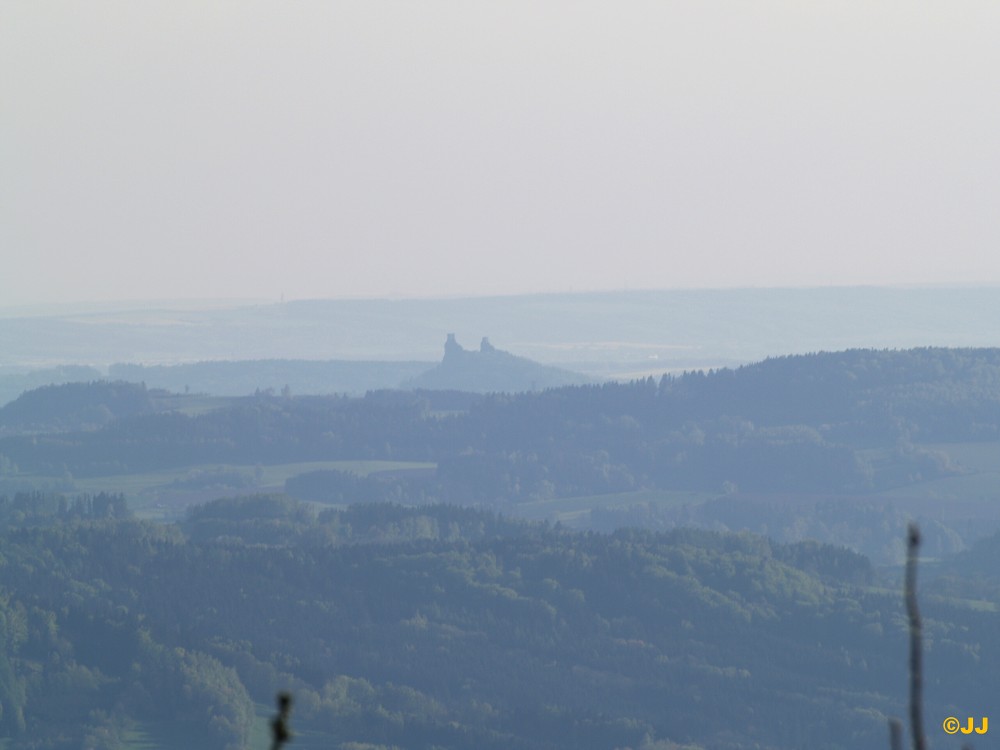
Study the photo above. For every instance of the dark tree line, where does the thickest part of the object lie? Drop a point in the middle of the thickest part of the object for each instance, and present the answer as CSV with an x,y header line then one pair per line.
x,y
796,424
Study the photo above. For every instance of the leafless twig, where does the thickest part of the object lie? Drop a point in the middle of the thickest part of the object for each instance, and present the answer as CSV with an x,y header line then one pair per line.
x,y
280,731
895,734
916,640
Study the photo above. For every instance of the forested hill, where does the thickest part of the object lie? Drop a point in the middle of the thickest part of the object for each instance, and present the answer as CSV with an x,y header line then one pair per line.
x,y
446,628
74,406
927,394
489,370
804,423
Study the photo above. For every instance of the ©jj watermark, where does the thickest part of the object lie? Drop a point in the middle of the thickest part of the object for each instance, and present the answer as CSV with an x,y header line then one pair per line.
x,y
952,725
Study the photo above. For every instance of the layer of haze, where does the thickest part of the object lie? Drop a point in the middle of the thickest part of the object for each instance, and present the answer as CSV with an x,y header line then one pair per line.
x,y
321,149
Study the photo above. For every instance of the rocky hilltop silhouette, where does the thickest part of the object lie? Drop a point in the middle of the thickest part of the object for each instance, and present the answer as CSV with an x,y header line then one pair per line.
x,y
490,370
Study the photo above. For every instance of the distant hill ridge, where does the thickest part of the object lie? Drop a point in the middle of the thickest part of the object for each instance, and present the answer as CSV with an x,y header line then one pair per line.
x,y
243,377
485,371
490,370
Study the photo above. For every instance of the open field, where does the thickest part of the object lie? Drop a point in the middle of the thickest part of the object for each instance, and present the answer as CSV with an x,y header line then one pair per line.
x,y
967,503
190,405
977,486
163,495
974,493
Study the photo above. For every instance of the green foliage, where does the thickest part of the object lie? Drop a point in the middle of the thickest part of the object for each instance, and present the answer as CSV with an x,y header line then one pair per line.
x,y
447,627
438,626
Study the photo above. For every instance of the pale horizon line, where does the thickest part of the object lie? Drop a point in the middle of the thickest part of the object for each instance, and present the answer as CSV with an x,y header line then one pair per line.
x,y
195,304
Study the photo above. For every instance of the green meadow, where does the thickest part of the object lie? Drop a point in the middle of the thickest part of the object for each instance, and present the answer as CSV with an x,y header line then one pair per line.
x,y
162,495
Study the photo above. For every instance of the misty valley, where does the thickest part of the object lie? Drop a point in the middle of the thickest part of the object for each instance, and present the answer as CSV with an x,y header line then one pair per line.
x,y
499,375
704,560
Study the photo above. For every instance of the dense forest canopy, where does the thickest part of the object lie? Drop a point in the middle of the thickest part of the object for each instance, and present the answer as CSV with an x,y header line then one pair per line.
x,y
443,627
408,608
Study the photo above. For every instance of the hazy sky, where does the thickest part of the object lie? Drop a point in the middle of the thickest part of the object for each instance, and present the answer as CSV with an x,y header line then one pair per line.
x,y
325,149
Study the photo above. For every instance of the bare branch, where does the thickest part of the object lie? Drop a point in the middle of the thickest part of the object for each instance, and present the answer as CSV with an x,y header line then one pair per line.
x,y
916,640
895,734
